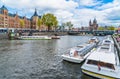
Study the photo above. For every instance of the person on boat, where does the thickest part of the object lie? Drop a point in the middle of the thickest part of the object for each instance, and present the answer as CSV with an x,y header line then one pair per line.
x,y
99,68
73,53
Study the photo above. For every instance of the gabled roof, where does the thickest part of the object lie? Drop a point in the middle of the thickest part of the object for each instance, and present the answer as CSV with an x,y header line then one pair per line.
x,y
12,15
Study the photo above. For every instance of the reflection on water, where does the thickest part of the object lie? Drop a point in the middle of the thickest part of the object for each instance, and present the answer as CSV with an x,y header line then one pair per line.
x,y
39,59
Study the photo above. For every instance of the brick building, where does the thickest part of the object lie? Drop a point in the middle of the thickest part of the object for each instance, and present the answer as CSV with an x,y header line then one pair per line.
x,y
8,20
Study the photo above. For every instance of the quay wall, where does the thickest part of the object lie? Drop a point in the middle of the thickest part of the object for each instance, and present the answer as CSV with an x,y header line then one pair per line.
x,y
3,36
46,33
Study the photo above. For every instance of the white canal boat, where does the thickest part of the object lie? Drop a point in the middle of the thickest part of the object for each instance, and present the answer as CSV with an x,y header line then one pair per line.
x,y
94,40
103,63
34,38
79,53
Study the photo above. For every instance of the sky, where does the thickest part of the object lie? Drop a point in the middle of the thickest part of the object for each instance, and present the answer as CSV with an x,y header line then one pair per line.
x,y
79,12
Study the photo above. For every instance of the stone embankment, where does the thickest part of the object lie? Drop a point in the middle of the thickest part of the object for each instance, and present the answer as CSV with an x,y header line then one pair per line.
x,y
3,36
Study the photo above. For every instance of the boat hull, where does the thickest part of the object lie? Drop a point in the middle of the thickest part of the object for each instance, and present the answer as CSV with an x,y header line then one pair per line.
x,y
96,75
72,59
55,37
34,38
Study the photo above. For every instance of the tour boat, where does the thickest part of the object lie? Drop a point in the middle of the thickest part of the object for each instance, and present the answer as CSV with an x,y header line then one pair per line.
x,y
55,37
79,53
34,37
108,40
103,63
94,40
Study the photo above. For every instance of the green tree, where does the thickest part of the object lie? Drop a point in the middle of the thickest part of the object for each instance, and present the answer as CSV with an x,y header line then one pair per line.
x,y
55,23
111,28
101,28
22,23
49,20
39,23
69,24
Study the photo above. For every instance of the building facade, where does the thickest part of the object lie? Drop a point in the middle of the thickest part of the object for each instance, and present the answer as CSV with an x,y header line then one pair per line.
x,y
93,25
8,20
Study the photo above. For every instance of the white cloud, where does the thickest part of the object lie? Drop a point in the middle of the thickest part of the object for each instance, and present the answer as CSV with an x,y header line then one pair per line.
x,y
89,2
66,10
53,4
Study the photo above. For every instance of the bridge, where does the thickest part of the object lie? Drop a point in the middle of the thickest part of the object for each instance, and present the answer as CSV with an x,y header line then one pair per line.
x,y
95,33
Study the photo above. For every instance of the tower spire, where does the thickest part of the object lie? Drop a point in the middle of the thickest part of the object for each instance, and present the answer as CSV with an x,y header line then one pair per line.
x,y
90,23
94,21
35,13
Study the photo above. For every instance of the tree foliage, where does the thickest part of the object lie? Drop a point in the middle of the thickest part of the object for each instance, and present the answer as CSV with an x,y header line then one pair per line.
x,y
39,22
22,23
106,28
69,24
111,28
49,20
101,28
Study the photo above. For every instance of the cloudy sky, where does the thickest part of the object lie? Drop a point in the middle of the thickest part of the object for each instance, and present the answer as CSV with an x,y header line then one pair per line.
x,y
79,12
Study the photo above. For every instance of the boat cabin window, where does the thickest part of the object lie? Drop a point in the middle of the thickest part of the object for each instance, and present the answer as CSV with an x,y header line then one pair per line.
x,y
93,62
80,46
101,64
107,41
106,44
105,48
92,39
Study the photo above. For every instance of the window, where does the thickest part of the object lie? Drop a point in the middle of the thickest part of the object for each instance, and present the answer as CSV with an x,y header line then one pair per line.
x,y
93,62
102,64
107,41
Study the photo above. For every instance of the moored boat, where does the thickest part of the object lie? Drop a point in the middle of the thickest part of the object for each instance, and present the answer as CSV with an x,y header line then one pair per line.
x,y
34,38
55,37
94,40
79,53
103,63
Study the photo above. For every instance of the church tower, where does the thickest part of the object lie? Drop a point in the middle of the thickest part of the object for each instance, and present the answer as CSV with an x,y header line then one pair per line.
x,y
94,21
90,23
34,20
93,25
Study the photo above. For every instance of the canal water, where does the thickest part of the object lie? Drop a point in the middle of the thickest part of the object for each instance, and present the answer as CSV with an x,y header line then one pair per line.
x,y
39,59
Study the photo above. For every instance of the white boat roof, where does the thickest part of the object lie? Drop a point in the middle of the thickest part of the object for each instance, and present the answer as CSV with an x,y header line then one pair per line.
x,y
108,57
108,40
80,47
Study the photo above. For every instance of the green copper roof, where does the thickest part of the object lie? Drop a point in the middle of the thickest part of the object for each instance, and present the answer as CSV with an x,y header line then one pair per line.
x,y
35,13
3,8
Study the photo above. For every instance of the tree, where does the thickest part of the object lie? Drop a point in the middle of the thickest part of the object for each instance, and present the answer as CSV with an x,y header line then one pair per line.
x,y
49,20
55,23
69,24
39,23
111,28
63,26
101,28
22,23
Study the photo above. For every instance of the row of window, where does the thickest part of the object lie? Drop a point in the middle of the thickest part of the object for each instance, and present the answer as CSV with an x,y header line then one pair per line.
x,y
101,64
